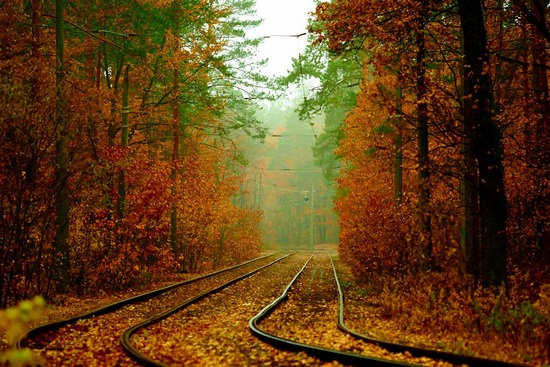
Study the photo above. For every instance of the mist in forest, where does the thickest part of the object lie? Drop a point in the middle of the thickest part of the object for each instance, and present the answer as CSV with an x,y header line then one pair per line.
x,y
283,181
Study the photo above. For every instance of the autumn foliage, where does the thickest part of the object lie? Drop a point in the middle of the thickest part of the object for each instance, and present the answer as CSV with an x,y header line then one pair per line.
x,y
377,233
132,127
378,220
418,213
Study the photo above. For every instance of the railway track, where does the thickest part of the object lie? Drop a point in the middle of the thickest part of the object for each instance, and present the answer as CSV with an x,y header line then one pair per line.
x,y
314,296
206,320
69,341
144,359
458,359
211,329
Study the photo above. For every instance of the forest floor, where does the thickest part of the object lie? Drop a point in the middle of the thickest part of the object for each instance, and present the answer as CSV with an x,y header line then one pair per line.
x,y
220,334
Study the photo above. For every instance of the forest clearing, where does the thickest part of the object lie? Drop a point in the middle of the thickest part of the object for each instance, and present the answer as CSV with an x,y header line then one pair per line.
x,y
166,199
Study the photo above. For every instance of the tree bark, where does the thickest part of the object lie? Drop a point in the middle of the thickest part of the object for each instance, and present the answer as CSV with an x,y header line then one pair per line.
x,y
121,204
540,152
398,185
471,221
36,39
487,143
423,148
470,235
61,162
175,162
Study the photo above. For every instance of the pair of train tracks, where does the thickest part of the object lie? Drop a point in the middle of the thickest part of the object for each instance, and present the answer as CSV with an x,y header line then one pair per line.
x,y
203,321
403,355
74,341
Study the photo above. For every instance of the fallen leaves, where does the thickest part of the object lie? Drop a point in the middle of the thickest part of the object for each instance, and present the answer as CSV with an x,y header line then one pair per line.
x,y
96,341
308,316
365,312
214,331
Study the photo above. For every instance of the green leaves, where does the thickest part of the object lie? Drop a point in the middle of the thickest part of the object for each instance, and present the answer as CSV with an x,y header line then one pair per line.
x,y
14,321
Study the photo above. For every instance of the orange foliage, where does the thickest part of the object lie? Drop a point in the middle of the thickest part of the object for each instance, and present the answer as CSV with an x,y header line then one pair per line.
x,y
376,235
442,307
115,241
379,236
211,230
373,226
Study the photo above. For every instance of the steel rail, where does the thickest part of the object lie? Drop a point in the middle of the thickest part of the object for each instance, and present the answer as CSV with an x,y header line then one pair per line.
x,y
313,350
415,351
119,304
145,360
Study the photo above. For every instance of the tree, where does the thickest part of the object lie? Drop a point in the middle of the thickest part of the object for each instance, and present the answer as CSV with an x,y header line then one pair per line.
x,y
533,15
384,31
423,146
62,160
338,77
486,141
168,65
468,82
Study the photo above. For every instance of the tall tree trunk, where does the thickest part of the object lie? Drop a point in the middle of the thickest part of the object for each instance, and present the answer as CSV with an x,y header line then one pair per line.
x,y
61,162
540,76
487,143
36,39
423,149
121,204
35,97
175,163
470,231
541,129
398,175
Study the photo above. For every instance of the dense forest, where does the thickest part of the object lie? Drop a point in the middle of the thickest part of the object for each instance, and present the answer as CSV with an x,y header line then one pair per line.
x,y
286,185
446,143
438,114
132,146
117,163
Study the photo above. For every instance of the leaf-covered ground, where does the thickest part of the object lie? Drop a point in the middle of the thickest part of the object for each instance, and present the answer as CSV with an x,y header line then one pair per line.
x,y
443,329
214,331
309,315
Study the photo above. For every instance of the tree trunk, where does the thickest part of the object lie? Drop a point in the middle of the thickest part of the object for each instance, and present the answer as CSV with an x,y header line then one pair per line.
x,y
398,175
36,39
423,149
539,154
175,162
121,204
61,162
470,231
470,223
487,143
35,97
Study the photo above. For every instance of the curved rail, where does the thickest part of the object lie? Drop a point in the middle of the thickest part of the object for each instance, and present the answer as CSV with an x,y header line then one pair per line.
x,y
119,304
415,351
316,351
143,359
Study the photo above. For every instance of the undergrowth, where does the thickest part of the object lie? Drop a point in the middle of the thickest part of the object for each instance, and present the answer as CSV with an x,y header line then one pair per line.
x,y
509,324
13,322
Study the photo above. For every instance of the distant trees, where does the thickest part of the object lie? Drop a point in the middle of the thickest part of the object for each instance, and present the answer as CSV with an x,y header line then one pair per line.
x,y
116,118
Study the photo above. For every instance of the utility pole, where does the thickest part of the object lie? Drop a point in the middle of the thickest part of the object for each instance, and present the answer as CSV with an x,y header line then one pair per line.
x,y
260,192
311,217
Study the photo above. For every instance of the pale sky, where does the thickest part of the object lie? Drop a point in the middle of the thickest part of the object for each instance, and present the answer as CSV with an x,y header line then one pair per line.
x,y
281,17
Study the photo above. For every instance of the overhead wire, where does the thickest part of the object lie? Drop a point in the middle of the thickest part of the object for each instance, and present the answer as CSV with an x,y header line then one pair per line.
x,y
300,71
302,85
